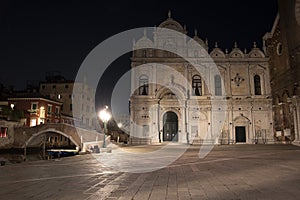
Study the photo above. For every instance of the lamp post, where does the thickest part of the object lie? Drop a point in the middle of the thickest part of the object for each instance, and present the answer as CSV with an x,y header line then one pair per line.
x,y
120,125
105,116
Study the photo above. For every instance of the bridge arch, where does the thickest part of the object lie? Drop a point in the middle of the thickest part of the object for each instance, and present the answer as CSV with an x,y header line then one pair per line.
x,y
53,130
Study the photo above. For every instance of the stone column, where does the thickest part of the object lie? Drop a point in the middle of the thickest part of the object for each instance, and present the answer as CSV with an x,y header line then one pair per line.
x,y
185,123
159,134
251,125
295,123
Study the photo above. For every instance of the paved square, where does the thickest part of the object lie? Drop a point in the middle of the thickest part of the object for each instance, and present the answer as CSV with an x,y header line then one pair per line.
x,y
228,172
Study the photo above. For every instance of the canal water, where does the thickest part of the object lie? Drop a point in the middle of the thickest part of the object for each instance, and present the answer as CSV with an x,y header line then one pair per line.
x,y
13,156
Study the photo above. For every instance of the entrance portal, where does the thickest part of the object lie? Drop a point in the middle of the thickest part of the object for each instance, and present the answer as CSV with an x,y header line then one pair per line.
x,y
240,134
170,130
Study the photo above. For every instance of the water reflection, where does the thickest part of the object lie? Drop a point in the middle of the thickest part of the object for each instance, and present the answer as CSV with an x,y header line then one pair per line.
x,y
18,156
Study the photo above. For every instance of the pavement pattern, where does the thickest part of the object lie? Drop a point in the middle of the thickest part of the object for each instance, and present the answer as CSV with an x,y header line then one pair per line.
x,y
228,172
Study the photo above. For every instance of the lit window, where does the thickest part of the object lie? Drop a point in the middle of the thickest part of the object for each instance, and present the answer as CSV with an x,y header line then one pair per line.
x,y
32,122
3,132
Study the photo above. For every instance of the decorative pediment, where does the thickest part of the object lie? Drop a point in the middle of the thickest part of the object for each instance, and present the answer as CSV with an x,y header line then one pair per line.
x,y
256,52
217,53
171,91
241,118
169,95
236,52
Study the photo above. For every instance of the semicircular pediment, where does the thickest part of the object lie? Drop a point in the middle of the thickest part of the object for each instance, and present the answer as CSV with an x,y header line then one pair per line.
x,y
217,53
241,119
171,90
256,53
236,53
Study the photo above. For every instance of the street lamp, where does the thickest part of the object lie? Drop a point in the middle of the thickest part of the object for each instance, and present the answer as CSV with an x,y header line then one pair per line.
x,y
105,116
120,125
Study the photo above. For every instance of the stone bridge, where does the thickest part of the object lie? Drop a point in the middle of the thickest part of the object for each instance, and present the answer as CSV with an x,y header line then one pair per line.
x,y
33,136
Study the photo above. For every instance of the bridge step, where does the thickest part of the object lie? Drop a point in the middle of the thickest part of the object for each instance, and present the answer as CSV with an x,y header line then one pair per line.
x,y
106,150
136,141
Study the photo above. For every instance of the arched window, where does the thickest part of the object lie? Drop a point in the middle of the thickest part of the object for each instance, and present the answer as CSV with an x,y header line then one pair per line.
x,y
218,85
257,85
143,85
197,85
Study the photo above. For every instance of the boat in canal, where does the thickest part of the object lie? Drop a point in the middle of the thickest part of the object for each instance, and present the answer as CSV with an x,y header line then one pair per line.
x,y
62,152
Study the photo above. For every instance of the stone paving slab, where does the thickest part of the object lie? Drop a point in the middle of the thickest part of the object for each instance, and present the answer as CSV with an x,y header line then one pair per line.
x,y
228,172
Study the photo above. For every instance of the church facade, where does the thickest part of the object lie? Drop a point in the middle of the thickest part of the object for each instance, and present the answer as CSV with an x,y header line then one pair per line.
x,y
172,101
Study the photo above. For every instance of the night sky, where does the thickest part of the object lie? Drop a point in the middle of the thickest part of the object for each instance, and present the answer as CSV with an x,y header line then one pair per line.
x,y
41,36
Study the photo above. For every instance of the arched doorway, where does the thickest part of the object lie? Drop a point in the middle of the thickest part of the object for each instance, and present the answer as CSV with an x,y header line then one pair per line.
x,y
170,127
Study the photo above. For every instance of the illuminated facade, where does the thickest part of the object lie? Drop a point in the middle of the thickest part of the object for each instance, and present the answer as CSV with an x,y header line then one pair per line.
x,y
37,110
181,106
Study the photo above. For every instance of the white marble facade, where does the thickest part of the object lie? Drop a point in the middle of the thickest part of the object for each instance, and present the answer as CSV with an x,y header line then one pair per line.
x,y
176,104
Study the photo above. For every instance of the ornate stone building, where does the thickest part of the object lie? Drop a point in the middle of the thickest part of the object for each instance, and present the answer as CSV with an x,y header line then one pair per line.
x,y
175,103
282,45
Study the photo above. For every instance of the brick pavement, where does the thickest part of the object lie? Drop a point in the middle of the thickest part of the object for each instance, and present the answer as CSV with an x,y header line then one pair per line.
x,y
79,177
